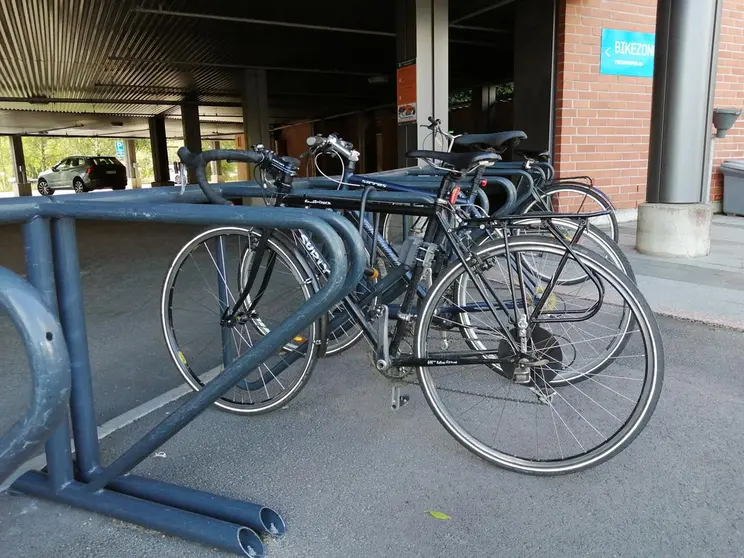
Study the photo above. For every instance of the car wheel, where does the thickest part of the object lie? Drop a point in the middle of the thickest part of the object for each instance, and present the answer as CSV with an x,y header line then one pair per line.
x,y
44,188
78,186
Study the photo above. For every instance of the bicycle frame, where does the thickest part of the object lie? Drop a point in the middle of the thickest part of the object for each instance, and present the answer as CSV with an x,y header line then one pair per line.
x,y
408,279
411,287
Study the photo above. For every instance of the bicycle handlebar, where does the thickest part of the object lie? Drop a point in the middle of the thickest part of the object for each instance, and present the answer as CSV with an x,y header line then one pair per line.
x,y
283,168
433,124
334,143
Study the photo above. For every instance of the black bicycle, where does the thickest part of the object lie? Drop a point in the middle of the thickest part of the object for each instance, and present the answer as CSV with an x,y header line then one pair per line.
x,y
538,188
499,352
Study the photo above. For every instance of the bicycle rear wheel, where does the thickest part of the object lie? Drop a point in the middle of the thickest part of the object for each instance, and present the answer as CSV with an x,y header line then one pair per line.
x,y
593,239
564,420
576,198
206,278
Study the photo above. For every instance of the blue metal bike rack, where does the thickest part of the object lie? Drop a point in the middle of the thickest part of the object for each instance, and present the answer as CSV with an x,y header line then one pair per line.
x,y
53,269
50,371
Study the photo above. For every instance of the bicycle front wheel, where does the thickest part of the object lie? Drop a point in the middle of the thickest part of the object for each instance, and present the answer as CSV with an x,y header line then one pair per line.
x,y
205,279
550,425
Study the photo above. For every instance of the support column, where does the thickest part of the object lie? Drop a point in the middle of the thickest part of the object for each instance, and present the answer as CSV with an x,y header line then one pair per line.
x,y
191,134
256,108
534,63
22,187
483,99
675,222
133,178
423,39
255,117
159,145
216,166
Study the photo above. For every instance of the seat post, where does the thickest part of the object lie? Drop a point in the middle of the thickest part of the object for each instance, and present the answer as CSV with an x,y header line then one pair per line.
x,y
447,181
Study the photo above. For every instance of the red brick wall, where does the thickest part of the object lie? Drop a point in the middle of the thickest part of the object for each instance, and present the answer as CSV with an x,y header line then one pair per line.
x,y
602,122
730,87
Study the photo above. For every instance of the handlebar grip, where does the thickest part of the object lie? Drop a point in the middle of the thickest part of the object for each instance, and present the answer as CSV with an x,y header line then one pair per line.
x,y
188,158
313,141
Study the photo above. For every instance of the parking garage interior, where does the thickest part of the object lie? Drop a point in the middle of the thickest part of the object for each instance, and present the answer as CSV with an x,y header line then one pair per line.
x,y
195,72
162,73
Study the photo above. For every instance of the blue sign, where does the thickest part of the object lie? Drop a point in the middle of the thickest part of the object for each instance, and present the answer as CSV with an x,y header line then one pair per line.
x,y
627,53
120,151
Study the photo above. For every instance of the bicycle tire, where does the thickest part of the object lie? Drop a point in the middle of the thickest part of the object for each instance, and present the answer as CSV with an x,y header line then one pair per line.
x,y
588,192
182,355
642,410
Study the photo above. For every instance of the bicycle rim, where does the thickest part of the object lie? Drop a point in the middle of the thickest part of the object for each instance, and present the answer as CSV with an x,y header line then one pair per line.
x,y
211,269
556,427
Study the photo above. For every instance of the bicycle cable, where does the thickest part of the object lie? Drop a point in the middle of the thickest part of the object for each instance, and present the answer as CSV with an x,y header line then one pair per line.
x,y
343,168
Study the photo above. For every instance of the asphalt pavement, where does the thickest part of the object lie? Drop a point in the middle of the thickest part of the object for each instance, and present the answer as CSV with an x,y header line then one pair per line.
x,y
122,271
353,478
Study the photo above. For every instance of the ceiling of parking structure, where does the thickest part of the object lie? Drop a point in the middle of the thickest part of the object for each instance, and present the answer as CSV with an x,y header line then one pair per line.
x,y
114,126
143,57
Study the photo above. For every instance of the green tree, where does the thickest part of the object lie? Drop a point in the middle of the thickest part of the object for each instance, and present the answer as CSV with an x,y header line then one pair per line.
x,y
42,152
6,165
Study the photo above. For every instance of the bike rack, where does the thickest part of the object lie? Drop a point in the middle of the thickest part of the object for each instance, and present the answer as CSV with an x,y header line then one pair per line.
x,y
427,181
50,371
61,363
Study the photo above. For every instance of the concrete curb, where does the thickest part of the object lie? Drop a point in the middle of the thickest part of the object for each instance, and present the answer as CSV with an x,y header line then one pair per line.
x,y
720,322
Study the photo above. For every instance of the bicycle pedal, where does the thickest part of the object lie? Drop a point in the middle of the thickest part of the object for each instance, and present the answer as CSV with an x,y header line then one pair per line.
x,y
397,400
382,351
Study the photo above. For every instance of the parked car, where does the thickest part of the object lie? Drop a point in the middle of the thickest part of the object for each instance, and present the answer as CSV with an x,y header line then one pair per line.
x,y
83,173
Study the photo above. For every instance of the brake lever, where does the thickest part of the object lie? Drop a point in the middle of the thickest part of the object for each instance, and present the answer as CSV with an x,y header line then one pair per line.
x,y
184,177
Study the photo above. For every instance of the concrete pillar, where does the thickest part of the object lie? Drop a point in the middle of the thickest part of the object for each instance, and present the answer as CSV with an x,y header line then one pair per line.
x,y
133,177
159,145
216,166
684,78
423,37
22,187
191,134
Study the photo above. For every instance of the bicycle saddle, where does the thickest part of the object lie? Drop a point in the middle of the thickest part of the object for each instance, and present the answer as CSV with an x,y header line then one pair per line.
x,y
536,154
459,161
497,139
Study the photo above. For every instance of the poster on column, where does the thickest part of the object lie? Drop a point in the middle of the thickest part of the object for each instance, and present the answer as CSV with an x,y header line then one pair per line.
x,y
406,81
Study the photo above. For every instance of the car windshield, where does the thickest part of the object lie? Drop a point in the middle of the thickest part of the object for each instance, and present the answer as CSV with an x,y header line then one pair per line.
x,y
105,161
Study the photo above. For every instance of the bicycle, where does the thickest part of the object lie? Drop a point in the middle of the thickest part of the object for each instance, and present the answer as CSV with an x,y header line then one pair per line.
x,y
525,203
519,351
539,190
388,251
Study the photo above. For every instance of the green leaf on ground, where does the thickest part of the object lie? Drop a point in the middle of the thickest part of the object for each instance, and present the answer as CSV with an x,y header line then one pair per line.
x,y
439,515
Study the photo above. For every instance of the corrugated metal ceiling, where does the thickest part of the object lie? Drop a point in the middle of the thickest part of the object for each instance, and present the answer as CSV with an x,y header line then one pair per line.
x,y
76,49
111,57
